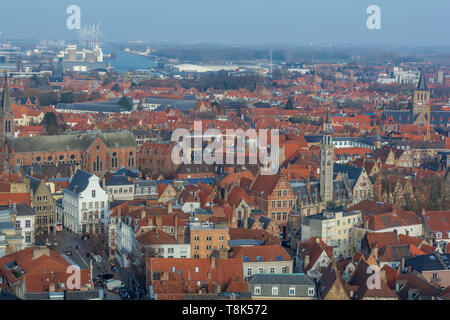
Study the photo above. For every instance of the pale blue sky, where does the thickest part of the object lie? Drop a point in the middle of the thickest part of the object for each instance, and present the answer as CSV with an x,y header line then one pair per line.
x,y
410,22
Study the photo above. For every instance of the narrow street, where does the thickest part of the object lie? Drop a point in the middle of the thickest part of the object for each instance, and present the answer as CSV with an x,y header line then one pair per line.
x,y
66,242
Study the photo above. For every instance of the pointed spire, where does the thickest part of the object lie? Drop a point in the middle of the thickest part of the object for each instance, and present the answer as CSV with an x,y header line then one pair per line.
x,y
5,105
422,85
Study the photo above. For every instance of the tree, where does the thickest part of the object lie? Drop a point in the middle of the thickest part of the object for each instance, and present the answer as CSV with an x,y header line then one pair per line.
x,y
50,123
139,256
126,102
331,205
66,97
115,88
289,104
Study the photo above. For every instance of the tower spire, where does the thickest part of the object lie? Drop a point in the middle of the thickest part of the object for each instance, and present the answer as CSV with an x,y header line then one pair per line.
x,y
422,85
5,105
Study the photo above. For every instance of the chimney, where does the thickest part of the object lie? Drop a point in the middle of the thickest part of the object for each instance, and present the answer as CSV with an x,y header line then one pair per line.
x,y
396,234
143,214
169,207
366,223
375,252
245,218
402,264
119,212
213,262
306,262
383,275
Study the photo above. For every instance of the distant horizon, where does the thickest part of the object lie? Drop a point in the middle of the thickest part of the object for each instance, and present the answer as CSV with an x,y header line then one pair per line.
x,y
251,22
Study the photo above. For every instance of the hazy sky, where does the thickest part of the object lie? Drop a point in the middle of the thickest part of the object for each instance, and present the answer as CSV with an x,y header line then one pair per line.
x,y
411,22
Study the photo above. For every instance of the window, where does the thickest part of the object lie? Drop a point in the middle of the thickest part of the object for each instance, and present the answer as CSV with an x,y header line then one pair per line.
x,y
170,250
93,193
196,238
18,224
272,270
261,270
196,269
208,247
221,238
28,223
310,292
208,238
196,248
249,271
292,291
274,291
257,290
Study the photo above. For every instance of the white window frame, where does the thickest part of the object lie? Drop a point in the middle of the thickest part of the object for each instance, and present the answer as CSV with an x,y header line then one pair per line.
x,y
292,291
275,291
257,291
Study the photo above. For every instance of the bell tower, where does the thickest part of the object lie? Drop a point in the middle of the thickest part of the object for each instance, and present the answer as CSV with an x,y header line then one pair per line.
x,y
6,133
326,168
421,100
6,114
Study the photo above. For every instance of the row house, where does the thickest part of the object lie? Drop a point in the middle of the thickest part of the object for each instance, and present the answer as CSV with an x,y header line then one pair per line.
x,y
274,195
85,204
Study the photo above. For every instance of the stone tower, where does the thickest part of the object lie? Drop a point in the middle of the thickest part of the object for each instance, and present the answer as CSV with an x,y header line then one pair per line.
x,y
327,124
421,101
6,114
6,133
326,168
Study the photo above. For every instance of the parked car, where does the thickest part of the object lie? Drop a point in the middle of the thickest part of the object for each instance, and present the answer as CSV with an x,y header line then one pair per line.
x,y
120,290
105,276
111,284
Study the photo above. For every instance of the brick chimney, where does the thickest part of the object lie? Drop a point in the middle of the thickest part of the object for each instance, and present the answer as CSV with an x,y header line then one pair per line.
x,y
245,218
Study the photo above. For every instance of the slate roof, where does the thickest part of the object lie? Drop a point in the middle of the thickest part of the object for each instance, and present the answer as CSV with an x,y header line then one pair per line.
x,y
117,181
5,104
427,263
285,278
24,210
422,85
407,117
79,181
66,142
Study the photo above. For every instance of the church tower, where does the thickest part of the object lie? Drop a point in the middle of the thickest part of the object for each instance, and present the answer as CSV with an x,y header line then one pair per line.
x,y
6,133
326,168
327,125
6,114
421,100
